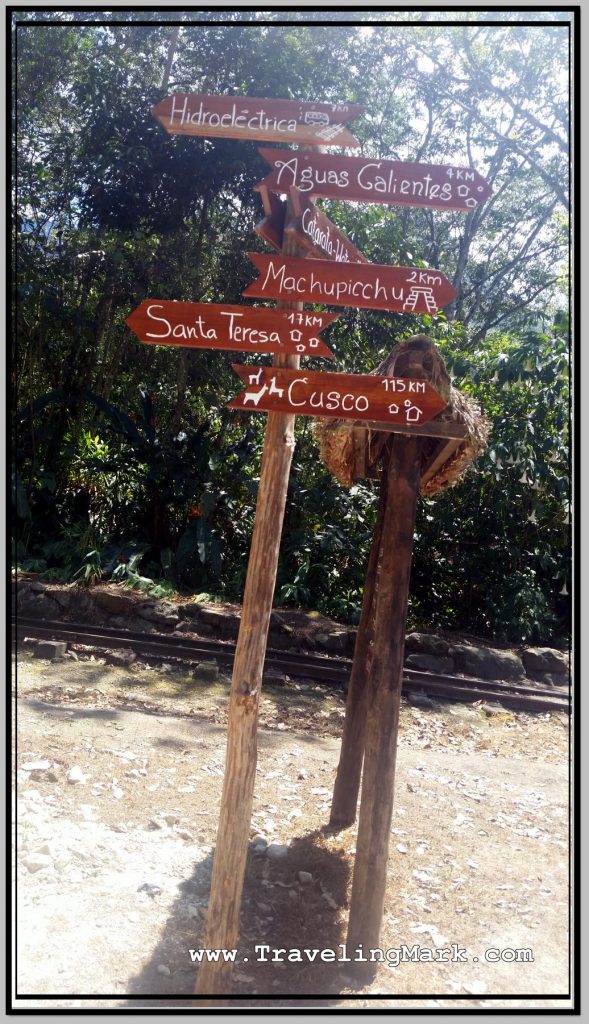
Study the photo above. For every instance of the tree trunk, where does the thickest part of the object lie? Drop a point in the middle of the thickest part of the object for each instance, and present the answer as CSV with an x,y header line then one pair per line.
x,y
170,58
183,356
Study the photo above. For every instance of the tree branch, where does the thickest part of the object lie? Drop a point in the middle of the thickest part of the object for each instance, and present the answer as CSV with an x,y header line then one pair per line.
x,y
483,331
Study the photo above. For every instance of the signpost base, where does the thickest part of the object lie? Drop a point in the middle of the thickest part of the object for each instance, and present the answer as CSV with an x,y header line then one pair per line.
x,y
349,769
222,925
383,696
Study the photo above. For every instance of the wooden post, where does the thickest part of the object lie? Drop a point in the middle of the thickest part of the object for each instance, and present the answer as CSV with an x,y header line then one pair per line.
x,y
384,697
349,769
222,922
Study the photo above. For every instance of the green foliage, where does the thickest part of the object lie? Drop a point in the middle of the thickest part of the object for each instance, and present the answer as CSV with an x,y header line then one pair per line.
x,y
91,571
126,574
495,549
127,465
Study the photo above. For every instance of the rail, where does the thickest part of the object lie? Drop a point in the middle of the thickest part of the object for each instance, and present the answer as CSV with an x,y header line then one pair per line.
x,y
320,668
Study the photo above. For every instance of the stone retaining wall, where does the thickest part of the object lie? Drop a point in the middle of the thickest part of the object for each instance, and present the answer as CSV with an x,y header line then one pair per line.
x,y
112,606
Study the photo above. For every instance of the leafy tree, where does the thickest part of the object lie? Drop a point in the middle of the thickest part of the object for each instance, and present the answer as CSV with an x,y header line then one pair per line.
x,y
494,551
127,448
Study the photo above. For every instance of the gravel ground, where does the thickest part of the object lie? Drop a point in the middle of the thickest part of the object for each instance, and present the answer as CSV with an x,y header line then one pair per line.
x,y
119,774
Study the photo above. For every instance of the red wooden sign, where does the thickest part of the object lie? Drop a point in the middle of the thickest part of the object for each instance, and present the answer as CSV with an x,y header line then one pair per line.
x,y
271,228
317,233
345,396
366,180
404,289
250,117
235,328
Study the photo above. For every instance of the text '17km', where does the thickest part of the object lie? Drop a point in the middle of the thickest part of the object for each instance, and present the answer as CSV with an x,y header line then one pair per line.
x,y
233,328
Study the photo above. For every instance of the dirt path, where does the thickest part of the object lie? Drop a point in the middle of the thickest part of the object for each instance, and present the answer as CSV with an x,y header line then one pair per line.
x,y
119,780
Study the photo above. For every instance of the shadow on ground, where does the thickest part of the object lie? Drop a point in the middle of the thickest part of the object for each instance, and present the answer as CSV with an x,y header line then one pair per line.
x,y
278,912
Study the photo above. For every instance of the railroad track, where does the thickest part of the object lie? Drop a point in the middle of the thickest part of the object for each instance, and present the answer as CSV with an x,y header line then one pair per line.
x,y
319,668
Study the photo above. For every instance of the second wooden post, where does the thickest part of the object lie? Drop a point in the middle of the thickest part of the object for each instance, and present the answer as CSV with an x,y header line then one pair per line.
x,y
383,696
349,769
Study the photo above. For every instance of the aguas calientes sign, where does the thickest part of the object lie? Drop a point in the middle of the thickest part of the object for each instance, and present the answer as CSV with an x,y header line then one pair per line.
x,y
364,180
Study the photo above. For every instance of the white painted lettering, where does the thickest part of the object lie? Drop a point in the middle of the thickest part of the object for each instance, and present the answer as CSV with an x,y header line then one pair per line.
x,y
289,167
291,387
161,320
379,290
178,110
232,317
363,179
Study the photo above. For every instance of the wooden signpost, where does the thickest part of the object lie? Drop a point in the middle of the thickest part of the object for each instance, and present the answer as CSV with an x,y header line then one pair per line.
x,y
374,181
271,228
369,285
251,117
405,405
400,483
355,396
222,923
318,235
234,328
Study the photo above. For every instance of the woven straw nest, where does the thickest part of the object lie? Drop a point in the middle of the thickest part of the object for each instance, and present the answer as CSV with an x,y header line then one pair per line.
x,y
351,451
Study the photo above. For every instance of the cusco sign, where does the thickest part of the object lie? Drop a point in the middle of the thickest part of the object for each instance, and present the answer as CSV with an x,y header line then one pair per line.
x,y
249,117
375,181
346,396
234,328
404,289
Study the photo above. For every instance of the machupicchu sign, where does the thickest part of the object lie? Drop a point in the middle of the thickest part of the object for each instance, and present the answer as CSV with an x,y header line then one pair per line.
x,y
317,233
251,117
233,328
368,180
350,396
369,285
